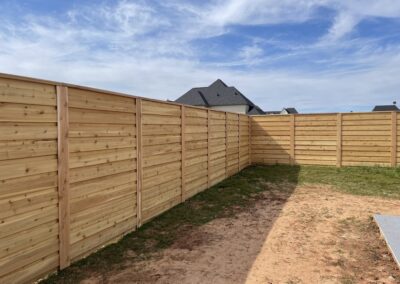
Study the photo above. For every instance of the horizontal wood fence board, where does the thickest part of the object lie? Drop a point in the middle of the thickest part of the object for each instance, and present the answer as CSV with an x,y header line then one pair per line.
x,y
83,99
77,115
101,170
16,91
77,130
19,149
27,113
156,108
27,131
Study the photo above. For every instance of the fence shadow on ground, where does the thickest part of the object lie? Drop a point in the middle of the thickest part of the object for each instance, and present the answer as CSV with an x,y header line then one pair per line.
x,y
221,231
216,233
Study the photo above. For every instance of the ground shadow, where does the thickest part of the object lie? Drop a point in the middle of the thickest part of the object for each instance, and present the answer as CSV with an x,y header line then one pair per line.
x,y
178,229
218,233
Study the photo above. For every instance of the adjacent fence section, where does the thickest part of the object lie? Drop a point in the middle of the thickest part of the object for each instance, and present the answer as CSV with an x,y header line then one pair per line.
x,y
348,139
79,168
315,139
161,158
270,139
196,151
28,180
232,146
102,165
366,139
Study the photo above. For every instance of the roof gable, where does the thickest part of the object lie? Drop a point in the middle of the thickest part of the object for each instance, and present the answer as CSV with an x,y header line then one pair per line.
x,y
217,94
290,110
386,108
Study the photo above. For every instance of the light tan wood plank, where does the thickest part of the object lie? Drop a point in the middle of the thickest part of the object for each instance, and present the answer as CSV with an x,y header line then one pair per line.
x,y
10,112
77,115
86,99
26,149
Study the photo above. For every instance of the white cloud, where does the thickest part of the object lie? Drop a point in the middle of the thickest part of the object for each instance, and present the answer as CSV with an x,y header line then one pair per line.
x,y
110,47
344,24
258,12
251,53
261,12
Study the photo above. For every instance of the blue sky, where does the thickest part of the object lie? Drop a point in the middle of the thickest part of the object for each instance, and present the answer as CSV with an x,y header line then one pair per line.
x,y
315,55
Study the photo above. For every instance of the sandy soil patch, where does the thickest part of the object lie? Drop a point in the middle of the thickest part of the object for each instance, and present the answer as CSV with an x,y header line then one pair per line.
x,y
311,234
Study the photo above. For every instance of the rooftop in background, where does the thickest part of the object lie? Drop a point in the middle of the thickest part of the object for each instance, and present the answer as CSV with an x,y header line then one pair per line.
x,y
286,110
386,108
220,96
289,110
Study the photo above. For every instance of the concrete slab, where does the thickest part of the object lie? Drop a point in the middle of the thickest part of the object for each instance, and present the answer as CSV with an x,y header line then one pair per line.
x,y
390,229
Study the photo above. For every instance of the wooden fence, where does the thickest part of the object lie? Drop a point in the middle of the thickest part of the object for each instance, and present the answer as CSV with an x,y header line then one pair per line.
x,y
341,139
80,167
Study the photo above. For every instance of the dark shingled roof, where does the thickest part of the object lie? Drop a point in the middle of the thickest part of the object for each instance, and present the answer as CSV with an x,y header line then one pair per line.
x,y
386,108
273,112
255,110
217,94
290,110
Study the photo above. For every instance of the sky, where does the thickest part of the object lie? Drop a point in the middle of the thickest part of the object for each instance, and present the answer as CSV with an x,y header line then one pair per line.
x,y
315,55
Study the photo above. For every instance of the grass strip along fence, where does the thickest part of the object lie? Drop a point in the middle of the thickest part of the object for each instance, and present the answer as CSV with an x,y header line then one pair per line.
x,y
81,167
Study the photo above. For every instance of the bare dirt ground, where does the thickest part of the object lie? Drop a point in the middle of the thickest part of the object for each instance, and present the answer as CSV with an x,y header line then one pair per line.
x,y
311,234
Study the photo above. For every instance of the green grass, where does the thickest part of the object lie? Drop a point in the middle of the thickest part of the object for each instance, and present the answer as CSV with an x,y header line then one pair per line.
x,y
373,181
225,200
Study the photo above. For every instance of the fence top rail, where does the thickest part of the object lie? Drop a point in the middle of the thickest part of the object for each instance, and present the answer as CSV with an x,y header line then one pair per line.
x,y
57,83
50,82
323,113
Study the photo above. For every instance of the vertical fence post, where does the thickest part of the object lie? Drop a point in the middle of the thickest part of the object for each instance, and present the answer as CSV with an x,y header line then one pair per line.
x,y
63,176
292,139
139,162
183,123
238,142
339,140
249,117
226,144
208,149
393,160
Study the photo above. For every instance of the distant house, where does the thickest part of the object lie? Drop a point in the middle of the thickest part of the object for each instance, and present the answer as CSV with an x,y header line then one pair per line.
x,y
269,112
219,96
386,108
287,110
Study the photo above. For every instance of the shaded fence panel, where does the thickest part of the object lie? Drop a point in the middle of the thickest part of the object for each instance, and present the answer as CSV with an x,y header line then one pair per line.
x,y
348,139
270,139
315,139
28,180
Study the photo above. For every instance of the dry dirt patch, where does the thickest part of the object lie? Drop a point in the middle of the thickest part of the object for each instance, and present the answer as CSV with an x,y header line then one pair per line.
x,y
312,235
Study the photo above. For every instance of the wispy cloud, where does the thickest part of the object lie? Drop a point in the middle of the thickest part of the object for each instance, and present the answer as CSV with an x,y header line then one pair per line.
x,y
161,49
